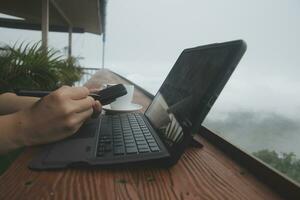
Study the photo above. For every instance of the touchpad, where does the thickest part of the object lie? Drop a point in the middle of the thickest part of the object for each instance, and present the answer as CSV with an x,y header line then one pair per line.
x,y
69,151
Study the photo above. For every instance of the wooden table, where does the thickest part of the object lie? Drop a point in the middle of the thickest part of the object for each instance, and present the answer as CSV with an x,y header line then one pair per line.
x,y
201,173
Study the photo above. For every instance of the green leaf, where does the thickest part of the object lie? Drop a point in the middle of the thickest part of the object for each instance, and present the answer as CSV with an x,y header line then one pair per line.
x,y
28,66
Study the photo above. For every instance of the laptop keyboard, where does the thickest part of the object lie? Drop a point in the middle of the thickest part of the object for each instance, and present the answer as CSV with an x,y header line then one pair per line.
x,y
125,134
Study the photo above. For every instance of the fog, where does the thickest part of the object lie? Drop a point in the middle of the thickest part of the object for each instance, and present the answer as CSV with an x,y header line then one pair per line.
x,y
258,108
253,131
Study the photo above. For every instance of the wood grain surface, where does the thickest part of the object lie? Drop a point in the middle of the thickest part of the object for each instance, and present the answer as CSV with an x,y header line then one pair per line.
x,y
204,173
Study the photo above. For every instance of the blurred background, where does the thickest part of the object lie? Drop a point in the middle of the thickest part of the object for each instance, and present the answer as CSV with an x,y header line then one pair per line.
x,y
259,108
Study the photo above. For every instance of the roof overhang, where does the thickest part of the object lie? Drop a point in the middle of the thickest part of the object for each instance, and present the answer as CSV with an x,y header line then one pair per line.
x,y
82,15
22,24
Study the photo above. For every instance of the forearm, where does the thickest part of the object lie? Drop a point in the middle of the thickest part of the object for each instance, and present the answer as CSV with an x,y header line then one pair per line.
x,y
12,129
10,103
56,116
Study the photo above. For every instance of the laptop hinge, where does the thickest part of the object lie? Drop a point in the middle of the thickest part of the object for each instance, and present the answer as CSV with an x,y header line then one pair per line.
x,y
195,142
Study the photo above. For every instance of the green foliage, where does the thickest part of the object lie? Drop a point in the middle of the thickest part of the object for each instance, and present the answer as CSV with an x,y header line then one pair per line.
x,y
30,67
286,163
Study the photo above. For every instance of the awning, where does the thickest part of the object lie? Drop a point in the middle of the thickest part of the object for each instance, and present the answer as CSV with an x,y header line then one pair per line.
x,y
82,15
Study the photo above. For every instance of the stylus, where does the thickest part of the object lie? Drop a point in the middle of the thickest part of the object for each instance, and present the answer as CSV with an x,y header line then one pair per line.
x,y
105,96
38,93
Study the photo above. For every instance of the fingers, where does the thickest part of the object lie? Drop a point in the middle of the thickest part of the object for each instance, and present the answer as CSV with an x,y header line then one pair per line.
x,y
74,93
82,116
73,130
97,109
77,128
97,106
84,104
87,103
94,90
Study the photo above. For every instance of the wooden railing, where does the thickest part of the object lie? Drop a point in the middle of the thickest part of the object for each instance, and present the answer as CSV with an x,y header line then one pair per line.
x,y
88,73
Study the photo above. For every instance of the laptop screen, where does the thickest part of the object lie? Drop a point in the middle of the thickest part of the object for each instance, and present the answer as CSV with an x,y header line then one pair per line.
x,y
190,89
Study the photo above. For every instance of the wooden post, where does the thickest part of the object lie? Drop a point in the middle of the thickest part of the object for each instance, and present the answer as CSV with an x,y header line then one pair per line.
x,y
70,42
103,54
45,24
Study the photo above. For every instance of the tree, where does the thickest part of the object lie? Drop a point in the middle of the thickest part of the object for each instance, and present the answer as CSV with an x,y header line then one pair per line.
x,y
286,163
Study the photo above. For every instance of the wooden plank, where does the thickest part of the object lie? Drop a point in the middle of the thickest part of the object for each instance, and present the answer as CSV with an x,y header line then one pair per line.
x,y
204,173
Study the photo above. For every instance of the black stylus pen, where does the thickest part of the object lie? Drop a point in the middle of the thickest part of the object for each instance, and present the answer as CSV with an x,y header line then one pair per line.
x,y
38,93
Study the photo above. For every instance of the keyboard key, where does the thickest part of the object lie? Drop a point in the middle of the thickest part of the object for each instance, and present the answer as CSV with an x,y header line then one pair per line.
x,y
128,137
107,149
149,137
151,140
118,133
152,144
154,149
138,136
129,140
101,147
141,142
131,150
100,151
105,137
144,150
100,144
138,132
130,145
118,144
118,138
100,154
119,151
142,146
140,139
129,132
106,129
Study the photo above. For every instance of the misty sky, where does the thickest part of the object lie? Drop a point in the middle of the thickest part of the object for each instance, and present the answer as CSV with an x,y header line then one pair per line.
x,y
144,39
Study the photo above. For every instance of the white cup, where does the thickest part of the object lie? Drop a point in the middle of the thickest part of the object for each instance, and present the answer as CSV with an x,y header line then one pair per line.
x,y
124,102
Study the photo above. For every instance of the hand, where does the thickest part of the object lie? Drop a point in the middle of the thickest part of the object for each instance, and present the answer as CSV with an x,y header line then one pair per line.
x,y
57,115
97,107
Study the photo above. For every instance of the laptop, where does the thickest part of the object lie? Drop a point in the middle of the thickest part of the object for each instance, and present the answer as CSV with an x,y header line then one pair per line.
x,y
160,135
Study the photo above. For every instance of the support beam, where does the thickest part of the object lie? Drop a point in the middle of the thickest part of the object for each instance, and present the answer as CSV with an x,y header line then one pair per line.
x,y
102,19
68,21
103,53
70,42
61,12
45,24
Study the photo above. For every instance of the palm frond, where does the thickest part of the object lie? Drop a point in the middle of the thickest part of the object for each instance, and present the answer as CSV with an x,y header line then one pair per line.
x,y
28,66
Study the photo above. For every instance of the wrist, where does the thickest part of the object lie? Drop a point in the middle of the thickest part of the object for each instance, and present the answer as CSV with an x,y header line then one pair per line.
x,y
15,131
22,126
